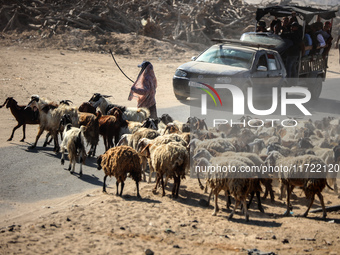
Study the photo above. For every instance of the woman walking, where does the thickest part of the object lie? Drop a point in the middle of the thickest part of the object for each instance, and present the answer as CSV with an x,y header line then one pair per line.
x,y
144,89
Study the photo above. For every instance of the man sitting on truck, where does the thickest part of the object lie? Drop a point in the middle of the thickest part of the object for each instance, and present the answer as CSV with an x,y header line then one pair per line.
x,y
275,25
308,42
293,52
293,18
320,39
285,27
327,36
261,26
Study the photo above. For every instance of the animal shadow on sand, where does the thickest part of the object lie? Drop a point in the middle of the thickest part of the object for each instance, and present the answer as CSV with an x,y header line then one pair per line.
x,y
91,162
185,196
26,147
111,191
192,198
92,179
89,178
253,222
135,198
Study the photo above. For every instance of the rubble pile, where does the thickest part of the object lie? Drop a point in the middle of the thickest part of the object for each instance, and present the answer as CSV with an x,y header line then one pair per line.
x,y
169,20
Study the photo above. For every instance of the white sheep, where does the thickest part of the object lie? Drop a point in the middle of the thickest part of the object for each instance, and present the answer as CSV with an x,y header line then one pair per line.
x,y
278,147
234,183
255,161
130,128
142,133
163,139
216,145
179,138
240,188
334,127
74,143
50,116
249,160
169,159
266,180
327,155
202,134
257,145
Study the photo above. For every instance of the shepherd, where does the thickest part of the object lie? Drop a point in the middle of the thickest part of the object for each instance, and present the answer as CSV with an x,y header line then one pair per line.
x,y
144,88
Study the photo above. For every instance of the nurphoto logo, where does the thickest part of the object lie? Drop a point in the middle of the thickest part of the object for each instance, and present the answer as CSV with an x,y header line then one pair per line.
x,y
239,99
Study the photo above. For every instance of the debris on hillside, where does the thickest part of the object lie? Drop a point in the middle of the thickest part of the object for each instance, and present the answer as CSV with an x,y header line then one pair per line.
x,y
188,21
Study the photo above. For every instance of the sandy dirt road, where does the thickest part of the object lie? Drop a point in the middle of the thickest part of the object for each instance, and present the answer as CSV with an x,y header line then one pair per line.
x,y
89,221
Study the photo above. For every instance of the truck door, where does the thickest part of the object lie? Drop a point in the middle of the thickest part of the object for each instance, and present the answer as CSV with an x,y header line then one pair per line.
x,y
266,74
274,69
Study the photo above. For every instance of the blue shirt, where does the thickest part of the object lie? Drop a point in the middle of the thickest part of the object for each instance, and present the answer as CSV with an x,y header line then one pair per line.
x,y
308,42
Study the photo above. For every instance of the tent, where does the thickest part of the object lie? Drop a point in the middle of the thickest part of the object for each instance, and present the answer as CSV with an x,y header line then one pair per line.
x,y
305,13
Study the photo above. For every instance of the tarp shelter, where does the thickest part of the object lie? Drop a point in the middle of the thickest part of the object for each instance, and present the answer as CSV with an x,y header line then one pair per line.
x,y
305,13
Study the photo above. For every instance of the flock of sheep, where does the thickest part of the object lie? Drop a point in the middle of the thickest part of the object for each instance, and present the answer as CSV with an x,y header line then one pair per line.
x,y
134,143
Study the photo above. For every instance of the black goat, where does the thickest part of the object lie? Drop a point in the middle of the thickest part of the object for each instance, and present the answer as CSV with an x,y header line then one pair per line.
x,y
22,115
96,100
151,123
166,118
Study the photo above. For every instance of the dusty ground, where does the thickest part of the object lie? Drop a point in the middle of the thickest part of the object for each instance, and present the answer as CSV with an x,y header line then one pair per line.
x,y
97,223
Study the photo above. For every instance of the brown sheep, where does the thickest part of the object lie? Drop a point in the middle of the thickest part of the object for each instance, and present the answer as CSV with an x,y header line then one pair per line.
x,y
110,126
311,182
132,140
119,162
91,132
172,128
87,107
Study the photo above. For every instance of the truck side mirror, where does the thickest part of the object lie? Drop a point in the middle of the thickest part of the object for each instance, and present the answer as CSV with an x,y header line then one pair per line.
x,y
262,69
193,58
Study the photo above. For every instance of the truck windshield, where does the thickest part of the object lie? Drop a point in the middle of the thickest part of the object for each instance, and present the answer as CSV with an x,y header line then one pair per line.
x,y
222,54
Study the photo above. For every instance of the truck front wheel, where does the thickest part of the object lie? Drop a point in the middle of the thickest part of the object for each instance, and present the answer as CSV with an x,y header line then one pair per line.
x,y
180,98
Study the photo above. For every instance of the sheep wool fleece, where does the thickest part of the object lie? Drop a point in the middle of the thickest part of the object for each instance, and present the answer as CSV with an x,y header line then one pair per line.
x,y
119,161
